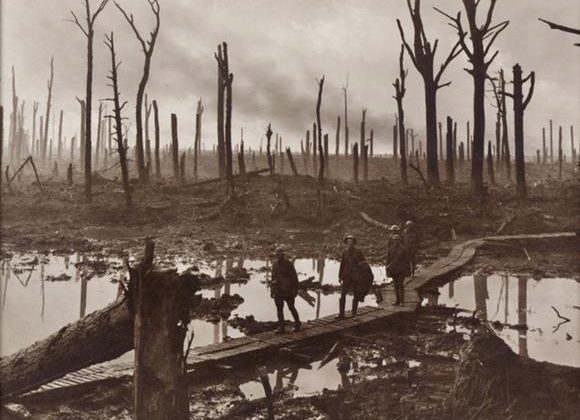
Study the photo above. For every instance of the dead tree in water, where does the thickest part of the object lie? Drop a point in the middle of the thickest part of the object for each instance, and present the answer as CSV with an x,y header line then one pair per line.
x,y
520,105
482,37
450,155
423,57
197,140
147,46
89,31
47,119
157,140
319,126
268,151
118,119
399,95
174,147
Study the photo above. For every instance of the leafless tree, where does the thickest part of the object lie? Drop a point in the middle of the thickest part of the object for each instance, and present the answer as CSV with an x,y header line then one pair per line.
x,y
226,79
197,139
482,38
47,114
319,127
88,30
118,118
147,46
423,57
346,137
400,91
520,105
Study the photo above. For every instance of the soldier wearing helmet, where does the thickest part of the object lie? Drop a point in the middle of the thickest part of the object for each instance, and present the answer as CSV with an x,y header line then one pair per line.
x,y
397,266
351,275
284,289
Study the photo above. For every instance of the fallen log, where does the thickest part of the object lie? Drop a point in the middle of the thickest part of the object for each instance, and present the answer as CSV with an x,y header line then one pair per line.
x,y
372,221
97,337
100,336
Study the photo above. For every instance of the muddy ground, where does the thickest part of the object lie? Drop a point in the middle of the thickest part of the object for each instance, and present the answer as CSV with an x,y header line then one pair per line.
x,y
431,364
198,222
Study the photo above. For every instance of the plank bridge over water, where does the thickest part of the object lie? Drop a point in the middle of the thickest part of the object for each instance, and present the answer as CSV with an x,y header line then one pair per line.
x,y
257,345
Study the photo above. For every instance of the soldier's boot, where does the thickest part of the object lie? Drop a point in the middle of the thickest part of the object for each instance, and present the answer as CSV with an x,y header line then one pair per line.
x,y
281,329
354,306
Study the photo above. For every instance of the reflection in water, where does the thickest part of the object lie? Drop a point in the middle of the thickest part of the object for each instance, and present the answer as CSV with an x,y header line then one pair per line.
x,y
523,315
34,285
539,340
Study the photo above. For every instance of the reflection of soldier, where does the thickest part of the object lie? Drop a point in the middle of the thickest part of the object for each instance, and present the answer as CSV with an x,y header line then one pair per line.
x,y
354,275
343,367
398,267
523,315
284,289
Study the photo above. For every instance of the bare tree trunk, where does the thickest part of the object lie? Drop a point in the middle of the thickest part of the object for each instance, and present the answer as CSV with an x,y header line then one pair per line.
x,y
147,138
268,152
228,79
82,137
118,118
450,154
220,116
395,142
47,114
490,173
291,162
520,104
399,95
573,151
14,118
60,143
365,162
157,140
560,153
197,141
504,123
346,146
320,150
337,138
147,47
174,147
355,163
551,142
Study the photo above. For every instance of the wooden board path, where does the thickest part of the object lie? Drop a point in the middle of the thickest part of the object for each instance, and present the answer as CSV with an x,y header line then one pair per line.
x,y
258,345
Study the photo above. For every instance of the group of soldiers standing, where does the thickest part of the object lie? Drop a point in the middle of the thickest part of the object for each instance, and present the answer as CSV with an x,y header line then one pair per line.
x,y
355,275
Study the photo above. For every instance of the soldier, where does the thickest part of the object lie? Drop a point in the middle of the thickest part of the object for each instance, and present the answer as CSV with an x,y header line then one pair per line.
x,y
350,275
284,289
398,267
411,241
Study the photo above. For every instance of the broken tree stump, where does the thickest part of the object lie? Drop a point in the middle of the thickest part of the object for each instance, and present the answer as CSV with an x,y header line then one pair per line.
x,y
291,162
161,306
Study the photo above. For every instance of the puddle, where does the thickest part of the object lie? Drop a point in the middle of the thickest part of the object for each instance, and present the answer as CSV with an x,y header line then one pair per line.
x,y
42,293
519,301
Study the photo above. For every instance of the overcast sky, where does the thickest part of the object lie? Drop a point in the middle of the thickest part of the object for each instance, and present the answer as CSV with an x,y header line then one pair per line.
x,y
277,51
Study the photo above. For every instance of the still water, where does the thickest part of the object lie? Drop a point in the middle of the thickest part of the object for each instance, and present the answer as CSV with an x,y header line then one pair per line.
x,y
42,293
525,301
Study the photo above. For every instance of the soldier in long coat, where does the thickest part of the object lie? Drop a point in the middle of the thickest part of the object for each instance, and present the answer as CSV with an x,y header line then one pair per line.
x,y
284,289
398,267
352,275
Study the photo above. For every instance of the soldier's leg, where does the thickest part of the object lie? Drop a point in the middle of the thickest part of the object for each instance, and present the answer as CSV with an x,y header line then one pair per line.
x,y
354,305
293,311
397,281
342,301
280,312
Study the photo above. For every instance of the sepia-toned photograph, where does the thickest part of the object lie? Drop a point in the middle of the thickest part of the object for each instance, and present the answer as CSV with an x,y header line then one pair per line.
x,y
289,209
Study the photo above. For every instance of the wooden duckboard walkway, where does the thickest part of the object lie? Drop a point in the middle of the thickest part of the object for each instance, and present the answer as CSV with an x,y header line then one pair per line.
x,y
258,345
